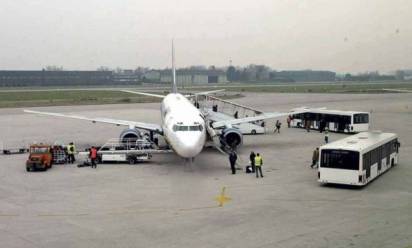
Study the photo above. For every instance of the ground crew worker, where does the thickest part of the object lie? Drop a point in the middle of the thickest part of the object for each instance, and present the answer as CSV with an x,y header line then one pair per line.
x,y
277,126
258,165
326,135
232,160
288,120
307,125
315,157
252,161
71,150
93,157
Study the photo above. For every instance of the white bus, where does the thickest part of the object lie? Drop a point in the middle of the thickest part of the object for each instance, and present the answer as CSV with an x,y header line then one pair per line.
x,y
335,120
358,159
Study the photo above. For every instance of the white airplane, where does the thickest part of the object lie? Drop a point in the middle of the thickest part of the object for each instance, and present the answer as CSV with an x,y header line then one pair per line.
x,y
184,127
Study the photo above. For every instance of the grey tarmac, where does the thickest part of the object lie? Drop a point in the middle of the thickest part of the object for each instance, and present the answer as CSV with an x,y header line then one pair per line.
x,y
165,203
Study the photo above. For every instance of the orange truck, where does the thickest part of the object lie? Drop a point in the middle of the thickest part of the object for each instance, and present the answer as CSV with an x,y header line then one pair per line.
x,y
40,158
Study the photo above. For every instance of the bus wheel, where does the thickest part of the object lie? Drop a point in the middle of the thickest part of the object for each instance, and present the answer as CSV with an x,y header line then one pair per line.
x,y
253,132
132,160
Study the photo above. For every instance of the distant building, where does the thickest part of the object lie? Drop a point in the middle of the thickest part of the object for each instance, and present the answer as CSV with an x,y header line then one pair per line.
x,y
126,77
187,76
54,78
305,76
403,74
152,76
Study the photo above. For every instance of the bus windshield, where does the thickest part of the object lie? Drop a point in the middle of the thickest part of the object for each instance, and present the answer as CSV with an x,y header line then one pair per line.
x,y
339,159
360,118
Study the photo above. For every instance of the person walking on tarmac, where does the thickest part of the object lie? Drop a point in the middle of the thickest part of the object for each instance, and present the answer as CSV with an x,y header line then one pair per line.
x,y
232,160
326,135
71,150
315,157
258,165
278,124
93,156
252,161
288,120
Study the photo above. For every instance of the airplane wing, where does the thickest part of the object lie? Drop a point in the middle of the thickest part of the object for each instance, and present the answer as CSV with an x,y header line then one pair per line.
x,y
398,90
162,96
264,116
235,104
144,93
205,93
260,117
131,124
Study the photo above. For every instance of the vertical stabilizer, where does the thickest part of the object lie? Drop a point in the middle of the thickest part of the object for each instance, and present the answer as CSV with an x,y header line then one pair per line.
x,y
174,86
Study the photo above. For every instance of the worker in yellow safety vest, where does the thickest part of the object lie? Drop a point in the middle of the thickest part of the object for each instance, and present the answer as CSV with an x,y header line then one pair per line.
x,y
258,165
71,150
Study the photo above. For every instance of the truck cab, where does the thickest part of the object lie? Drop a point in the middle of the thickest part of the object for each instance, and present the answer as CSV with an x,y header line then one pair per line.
x,y
40,158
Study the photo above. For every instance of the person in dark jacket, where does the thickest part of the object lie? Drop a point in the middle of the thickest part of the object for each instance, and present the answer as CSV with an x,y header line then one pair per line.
x,y
252,161
278,124
232,160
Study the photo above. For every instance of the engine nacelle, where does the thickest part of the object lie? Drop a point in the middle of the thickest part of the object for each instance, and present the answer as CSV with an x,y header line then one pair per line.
x,y
129,135
231,137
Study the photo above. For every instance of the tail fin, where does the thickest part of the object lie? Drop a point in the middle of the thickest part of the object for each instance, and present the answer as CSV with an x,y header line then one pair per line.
x,y
174,86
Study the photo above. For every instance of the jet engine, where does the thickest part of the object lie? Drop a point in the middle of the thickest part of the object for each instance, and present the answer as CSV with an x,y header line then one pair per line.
x,y
231,137
128,135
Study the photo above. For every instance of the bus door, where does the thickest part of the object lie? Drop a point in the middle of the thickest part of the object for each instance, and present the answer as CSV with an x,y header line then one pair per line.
x,y
367,164
343,123
379,158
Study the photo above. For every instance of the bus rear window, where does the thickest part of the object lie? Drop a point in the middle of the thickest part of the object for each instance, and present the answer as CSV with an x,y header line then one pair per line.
x,y
360,118
340,159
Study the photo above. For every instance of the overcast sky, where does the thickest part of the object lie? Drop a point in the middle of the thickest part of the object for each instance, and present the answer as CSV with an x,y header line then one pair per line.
x,y
340,35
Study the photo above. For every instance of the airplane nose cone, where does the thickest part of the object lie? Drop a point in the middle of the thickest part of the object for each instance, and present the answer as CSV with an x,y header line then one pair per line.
x,y
190,146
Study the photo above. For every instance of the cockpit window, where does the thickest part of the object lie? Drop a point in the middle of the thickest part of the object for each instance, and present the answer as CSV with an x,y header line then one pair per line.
x,y
196,128
177,128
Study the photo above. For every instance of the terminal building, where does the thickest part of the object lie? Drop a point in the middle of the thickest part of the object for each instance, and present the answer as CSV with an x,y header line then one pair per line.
x,y
54,78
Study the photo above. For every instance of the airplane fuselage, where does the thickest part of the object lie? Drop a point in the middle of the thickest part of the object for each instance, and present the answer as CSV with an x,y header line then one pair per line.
x,y
183,125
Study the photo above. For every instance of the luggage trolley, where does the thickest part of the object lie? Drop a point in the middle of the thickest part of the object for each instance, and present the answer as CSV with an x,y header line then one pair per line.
x,y
131,151
59,155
